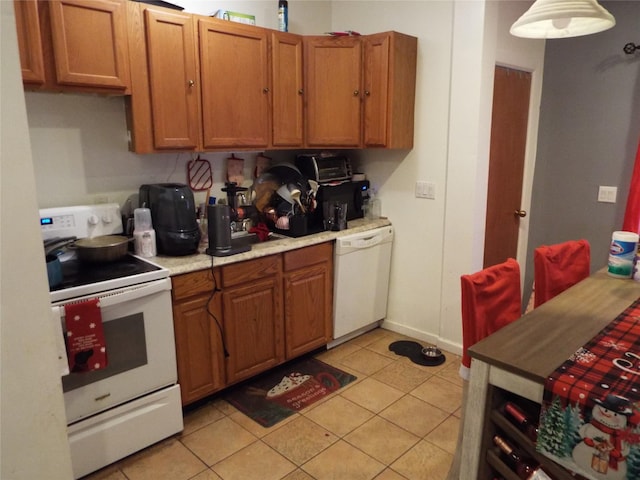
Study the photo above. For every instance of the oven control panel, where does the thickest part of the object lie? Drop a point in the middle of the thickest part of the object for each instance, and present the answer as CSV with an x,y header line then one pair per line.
x,y
82,221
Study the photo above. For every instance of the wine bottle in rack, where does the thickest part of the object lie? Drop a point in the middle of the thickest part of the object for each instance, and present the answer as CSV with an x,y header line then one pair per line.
x,y
526,424
524,468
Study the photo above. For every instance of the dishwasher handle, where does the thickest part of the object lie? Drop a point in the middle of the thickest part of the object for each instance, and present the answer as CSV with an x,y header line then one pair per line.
x,y
365,242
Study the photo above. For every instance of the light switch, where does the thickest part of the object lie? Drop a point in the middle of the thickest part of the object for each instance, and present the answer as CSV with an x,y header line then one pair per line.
x,y
425,190
607,194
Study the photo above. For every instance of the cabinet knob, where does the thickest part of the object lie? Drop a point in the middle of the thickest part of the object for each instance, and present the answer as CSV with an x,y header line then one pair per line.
x,y
367,93
520,213
356,93
265,90
191,83
300,92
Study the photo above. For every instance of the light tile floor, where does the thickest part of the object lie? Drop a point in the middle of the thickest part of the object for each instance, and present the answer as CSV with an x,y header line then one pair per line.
x,y
398,420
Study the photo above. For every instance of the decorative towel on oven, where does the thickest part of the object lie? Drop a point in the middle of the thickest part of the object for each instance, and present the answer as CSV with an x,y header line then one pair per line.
x,y
591,409
86,349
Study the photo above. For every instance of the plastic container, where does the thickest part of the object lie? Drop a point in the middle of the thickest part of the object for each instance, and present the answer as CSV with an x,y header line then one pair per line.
x,y
622,252
144,236
636,265
372,207
283,15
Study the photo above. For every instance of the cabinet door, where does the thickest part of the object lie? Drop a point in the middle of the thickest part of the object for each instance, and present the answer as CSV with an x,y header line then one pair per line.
x,y
333,67
308,298
197,319
90,43
287,81
389,89
376,78
308,309
235,84
199,348
29,41
173,79
253,327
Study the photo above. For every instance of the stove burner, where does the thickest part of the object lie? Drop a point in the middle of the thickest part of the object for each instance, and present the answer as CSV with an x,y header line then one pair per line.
x,y
76,273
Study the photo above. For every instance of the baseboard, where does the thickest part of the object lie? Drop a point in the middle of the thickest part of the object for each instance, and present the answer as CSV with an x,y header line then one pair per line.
x,y
445,345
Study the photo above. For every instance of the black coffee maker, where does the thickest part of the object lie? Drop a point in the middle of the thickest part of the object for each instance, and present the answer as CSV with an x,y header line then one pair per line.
x,y
173,213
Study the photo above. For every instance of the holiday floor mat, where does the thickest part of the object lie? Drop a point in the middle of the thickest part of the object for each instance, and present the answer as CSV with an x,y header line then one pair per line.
x,y
274,396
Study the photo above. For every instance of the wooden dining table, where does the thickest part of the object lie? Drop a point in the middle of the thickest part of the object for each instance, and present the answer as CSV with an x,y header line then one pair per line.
x,y
519,357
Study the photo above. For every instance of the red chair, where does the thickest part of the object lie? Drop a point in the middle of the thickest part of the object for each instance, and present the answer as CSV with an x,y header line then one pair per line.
x,y
491,298
558,267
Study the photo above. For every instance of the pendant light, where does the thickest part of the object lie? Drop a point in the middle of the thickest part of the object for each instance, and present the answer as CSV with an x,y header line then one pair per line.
x,y
562,18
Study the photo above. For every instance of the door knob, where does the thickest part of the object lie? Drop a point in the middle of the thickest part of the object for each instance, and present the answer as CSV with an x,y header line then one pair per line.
x,y
520,213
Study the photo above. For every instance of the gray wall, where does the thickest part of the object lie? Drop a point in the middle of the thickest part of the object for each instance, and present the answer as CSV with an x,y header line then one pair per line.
x,y
589,131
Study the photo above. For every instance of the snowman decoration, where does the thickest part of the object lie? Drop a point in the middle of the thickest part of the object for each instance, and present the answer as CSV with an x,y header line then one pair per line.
x,y
603,449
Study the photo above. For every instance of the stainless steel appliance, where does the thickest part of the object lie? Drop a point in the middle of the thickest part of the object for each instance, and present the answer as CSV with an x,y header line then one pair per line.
x,y
351,194
173,214
324,167
219,225
135,400
333,174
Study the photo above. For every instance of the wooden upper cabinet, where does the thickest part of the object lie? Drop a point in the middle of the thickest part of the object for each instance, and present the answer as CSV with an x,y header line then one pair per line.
x,y
29,41
287,90
206,84
333,72
389,89
235,84
173,79
73,45
90,42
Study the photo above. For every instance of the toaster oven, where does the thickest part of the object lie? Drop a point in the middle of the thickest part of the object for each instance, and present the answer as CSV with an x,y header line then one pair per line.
x,y
324,167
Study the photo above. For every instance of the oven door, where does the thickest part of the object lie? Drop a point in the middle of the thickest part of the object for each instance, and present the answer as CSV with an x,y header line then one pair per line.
x,y
138,330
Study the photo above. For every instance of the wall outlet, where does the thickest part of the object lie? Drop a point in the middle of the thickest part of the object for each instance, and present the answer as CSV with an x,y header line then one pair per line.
x,y
425,190
607,194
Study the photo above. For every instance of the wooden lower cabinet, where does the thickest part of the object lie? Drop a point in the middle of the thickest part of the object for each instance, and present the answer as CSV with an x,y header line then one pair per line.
x,y
199,349
308,290
264,312
253,327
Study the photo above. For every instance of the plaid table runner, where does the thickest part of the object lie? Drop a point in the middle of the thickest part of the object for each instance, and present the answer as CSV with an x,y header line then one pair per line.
x,y
590,415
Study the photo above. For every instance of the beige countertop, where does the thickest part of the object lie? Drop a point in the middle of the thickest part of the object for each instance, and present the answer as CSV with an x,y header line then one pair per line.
x,y
201,261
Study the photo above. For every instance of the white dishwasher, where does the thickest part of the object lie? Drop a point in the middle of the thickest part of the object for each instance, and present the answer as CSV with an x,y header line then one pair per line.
x,y
362,262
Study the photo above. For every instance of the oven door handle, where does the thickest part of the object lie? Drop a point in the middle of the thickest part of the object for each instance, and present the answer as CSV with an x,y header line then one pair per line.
x,y
61,349
133,293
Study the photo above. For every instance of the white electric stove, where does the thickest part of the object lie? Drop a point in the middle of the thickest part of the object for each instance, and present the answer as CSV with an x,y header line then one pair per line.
x,y
134,401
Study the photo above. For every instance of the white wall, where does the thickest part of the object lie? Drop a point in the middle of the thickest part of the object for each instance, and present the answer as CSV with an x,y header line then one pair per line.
x,y
439,240
309,17
32,420
80,149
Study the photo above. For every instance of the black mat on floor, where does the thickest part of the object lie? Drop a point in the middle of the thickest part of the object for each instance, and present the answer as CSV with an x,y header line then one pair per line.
x,y
413,350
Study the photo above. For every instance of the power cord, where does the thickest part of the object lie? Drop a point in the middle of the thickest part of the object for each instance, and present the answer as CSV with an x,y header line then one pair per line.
x,y
213,292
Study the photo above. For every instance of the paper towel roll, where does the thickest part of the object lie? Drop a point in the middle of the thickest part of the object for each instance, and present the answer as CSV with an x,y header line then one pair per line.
x,y
622,253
